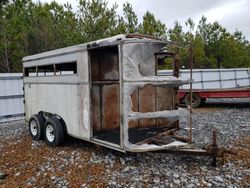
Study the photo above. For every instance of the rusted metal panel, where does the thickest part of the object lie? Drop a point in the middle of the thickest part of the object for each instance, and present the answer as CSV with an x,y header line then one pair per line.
x,y
95,67
110,107
164,98
152,98
147,104
105,107
164,101
176,98
135,108
95,107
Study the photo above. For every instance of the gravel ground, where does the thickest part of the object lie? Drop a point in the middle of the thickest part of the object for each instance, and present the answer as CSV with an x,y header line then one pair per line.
x,y
25,163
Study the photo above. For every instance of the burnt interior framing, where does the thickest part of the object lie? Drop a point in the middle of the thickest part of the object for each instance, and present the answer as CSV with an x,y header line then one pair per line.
x,y
105,100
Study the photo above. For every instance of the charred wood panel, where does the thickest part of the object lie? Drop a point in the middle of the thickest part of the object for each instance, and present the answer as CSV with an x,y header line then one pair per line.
x,y
105,107
96,107
110,107
95,67
135,108
152,98
164,101
147,104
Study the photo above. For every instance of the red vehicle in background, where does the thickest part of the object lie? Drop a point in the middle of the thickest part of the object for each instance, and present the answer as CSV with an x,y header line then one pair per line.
x,y
214,83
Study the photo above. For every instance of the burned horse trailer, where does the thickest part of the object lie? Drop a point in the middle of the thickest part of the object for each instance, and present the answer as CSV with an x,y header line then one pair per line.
x,y
107,92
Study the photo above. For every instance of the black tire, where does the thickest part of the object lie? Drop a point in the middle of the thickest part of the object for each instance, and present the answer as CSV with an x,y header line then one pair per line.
x,y
36,127
54,133
195,102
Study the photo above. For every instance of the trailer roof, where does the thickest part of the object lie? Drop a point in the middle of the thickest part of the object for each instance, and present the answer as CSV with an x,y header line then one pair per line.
x,y
82,47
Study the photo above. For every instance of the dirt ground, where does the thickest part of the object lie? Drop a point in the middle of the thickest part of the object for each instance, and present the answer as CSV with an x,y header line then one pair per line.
x,y
77,163
21,157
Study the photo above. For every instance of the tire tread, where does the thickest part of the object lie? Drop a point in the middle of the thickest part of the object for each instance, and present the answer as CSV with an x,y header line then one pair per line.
x,y
59,132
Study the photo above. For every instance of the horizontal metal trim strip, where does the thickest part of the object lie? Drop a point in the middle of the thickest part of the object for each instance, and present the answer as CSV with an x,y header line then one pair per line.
x,y
144,40
167,81
207,70
238,89
11,116
11,78
59,83
102,45
11,97
228,79
105,82
216,70
106,144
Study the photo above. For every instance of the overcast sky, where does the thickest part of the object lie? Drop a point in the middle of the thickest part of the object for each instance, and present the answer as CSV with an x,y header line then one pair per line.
x,y
231,14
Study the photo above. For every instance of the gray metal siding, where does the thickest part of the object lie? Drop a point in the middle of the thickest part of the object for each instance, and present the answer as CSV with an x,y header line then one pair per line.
x,y
205,79
11,97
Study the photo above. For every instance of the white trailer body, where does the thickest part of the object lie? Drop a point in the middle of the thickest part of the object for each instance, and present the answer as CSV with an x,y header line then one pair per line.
x,y
104,92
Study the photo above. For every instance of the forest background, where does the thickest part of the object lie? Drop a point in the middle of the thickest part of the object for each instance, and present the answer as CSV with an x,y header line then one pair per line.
x,y
28,28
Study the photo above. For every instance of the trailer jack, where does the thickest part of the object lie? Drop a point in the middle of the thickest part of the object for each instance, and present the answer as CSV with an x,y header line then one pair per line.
x,y
212,150
216,151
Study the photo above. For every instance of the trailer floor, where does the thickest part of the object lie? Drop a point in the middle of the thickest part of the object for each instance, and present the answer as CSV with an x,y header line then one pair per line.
x,y
135,134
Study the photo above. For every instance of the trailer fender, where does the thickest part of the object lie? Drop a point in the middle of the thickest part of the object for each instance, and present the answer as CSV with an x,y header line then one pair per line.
x,y
48,115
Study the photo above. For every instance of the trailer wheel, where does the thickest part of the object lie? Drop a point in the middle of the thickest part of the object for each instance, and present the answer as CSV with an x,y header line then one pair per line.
x,y
54,133
36,127
196,100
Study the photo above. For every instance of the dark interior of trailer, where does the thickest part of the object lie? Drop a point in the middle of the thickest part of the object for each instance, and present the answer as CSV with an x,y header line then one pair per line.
x,y
105,93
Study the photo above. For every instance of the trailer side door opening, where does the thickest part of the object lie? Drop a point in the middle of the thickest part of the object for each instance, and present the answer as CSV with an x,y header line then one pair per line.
x,y
105,94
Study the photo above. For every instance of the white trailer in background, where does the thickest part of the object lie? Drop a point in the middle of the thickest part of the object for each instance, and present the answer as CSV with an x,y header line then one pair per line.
x,y
11,97
214,83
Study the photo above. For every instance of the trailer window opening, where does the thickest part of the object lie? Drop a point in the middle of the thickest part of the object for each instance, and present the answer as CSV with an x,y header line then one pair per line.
x,y
164,61
47,70
66,68
31,71
52,70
